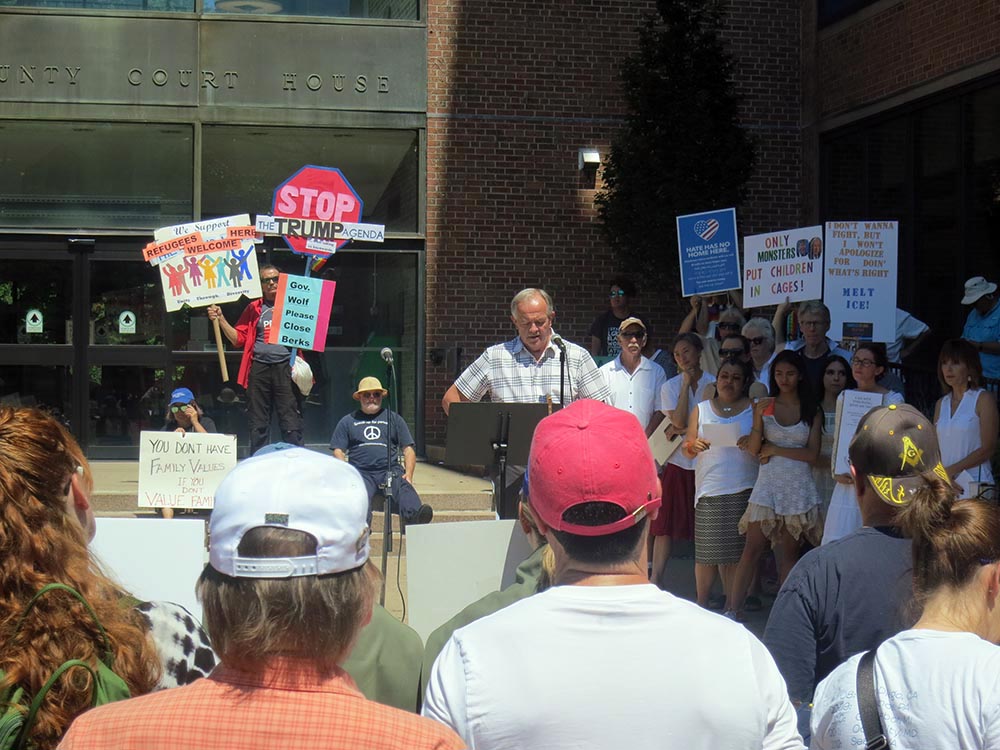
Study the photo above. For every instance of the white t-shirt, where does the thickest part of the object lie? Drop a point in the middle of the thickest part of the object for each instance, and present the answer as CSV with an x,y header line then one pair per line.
x,y
671,395
907,328
638,392
630,667
936,691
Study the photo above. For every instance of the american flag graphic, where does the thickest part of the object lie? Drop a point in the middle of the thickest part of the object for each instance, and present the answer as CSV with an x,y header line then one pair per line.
x,y
706,229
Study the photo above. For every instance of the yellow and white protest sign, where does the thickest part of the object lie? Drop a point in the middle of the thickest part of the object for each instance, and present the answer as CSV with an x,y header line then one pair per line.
x,y
183,470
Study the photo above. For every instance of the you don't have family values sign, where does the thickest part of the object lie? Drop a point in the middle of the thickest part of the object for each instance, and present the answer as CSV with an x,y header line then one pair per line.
x,y
183,470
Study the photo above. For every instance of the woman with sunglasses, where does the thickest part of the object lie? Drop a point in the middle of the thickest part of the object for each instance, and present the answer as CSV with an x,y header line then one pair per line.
x,y
184,415
836,379
760,334
868,364
966,417
936,684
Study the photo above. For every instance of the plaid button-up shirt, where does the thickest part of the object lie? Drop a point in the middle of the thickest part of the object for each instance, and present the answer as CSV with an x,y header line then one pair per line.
x,y
286,706
509,373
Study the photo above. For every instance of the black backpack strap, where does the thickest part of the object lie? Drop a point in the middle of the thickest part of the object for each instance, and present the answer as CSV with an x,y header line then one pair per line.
x,y
871,722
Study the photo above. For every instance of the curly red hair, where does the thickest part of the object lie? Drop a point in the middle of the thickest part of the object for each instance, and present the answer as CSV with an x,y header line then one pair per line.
x,y
41,542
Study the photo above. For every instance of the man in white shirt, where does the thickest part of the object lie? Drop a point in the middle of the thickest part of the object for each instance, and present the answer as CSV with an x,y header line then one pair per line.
x,y
635,382
604,659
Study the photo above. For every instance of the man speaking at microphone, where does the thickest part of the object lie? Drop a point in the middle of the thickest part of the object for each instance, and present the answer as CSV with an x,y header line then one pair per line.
x,y
362,438
528,370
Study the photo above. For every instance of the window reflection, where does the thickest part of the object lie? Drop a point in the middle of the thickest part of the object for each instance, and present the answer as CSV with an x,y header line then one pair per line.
x,y
381,165
387,9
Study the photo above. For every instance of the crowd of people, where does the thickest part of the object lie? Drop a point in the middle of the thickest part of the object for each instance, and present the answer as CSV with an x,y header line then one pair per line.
x,y
890,573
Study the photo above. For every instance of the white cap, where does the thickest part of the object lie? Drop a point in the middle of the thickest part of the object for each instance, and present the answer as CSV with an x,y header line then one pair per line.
x,y
294,489
975,288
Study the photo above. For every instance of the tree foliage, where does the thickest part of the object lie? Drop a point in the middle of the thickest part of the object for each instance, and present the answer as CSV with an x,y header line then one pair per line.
x,y
681,149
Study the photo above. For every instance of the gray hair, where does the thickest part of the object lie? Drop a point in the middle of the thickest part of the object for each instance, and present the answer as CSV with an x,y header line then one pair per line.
x,y
732,312
814,306
526,294
763,327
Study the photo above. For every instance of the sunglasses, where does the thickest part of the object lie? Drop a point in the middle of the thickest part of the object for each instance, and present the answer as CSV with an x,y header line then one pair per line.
x,y
730,353
757,340
181,407
269,280
632,335
619,293
730,326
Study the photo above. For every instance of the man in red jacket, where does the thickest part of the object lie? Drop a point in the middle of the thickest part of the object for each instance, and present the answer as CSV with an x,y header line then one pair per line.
x,y
265,370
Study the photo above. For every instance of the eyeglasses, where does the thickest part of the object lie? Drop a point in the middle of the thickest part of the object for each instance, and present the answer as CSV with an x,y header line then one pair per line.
x,y
181,407
730,326
811,323
757,340
269,280
727,353
619,293
863,362
632,335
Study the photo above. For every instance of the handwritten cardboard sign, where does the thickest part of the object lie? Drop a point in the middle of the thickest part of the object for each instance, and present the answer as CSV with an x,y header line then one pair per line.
x,y
183,470
301,314
860,279
787,264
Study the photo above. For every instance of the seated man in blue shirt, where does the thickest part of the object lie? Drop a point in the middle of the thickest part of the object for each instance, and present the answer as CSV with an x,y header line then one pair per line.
x,y
365,435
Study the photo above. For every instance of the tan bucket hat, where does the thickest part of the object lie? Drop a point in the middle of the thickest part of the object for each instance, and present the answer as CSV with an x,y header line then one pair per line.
x,y
369,384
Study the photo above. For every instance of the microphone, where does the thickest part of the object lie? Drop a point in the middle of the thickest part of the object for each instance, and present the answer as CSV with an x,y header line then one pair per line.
x,y
558,341
387,354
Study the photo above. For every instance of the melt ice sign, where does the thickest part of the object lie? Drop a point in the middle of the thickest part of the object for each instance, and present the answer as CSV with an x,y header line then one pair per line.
x,y
860,279
301,312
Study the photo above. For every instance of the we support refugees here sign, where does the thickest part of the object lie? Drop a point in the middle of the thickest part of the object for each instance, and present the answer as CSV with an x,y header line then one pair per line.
x,y
183,470
783,265
709,252
860,287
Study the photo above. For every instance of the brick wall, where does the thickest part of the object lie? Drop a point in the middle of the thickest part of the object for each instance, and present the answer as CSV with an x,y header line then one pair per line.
x,y
903,46
515,89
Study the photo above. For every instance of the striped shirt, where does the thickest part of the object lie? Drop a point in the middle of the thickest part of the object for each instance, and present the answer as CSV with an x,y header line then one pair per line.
x,y
509,373
285,706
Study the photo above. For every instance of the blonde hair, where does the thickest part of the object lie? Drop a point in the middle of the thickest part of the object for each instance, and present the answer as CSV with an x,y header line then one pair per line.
x,y
253,620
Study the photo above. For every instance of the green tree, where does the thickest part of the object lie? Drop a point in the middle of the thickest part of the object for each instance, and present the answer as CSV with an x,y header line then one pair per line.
x,y
681,149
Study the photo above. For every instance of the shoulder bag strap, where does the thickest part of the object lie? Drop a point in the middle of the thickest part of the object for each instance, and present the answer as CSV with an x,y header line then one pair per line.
x,y
108,656
871,722
36,702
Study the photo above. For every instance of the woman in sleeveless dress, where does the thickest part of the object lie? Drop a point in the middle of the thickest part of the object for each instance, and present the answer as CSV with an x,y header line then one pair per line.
x,y
724,477
784,507
867,366
966,418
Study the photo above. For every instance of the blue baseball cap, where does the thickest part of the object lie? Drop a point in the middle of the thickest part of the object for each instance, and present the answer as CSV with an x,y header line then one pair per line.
x,y
181,396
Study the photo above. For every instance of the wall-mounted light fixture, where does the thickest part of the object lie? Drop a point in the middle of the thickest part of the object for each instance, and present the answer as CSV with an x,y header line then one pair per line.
x,y
589,158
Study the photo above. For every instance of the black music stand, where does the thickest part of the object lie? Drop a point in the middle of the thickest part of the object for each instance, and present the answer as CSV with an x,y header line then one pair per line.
x,y
492,434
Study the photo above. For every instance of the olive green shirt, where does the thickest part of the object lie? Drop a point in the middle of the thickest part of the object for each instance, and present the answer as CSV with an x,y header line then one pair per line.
x,y
385,662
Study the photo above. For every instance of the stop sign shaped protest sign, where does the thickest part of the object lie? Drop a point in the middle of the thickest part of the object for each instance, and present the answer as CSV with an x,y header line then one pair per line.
x,y
317,194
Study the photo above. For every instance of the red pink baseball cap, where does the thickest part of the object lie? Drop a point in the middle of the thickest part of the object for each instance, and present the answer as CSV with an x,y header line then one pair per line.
x,y
591,452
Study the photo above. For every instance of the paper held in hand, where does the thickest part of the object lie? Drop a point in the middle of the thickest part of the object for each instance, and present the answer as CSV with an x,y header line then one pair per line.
x,y
663,447
851,407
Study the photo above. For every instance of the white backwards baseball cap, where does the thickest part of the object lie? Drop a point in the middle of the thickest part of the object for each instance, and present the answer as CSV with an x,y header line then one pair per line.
x,y
295,489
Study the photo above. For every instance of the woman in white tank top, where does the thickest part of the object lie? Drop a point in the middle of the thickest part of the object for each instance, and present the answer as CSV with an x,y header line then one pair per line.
x,y
966,418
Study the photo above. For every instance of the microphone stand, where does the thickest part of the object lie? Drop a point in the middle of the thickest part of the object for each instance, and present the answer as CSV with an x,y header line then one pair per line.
x,y
390,373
